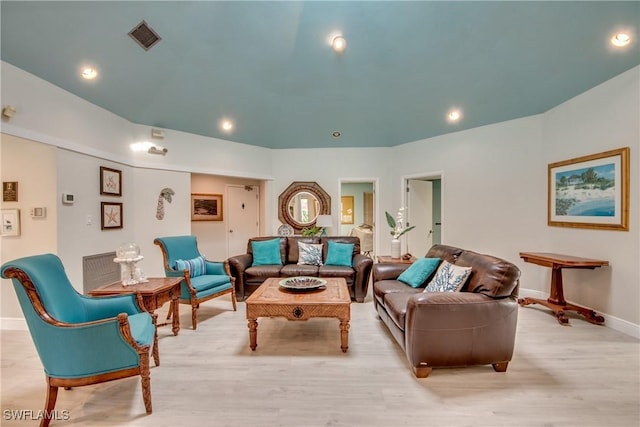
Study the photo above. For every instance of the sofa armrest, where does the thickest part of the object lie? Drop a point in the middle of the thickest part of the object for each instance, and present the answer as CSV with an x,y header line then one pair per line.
x,y
388,271
362,265
237,265
437,321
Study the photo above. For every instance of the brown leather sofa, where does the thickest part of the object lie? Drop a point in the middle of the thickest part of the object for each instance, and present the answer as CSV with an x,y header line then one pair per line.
x,y
249,278
475,326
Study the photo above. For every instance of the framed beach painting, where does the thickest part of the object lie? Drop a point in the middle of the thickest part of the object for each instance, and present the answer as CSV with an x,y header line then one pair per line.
x,y
206,207
590,191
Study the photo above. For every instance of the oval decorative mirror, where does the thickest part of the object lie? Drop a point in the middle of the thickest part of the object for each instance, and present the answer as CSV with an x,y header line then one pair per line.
x,y
301,203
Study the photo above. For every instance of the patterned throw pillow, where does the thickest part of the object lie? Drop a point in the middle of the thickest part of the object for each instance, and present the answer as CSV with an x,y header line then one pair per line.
x,y
448,278
309,253
196,266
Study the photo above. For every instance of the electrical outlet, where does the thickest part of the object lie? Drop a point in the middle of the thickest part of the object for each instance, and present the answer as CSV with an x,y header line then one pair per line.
x,y
89,220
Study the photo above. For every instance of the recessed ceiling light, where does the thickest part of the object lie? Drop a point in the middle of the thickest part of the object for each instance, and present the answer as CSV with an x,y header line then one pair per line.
x,y
226,125
454,115
339,44
89,73
336,134
620,39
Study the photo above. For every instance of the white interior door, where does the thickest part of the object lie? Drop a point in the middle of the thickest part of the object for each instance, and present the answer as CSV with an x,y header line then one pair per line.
x,y
243,217
420,213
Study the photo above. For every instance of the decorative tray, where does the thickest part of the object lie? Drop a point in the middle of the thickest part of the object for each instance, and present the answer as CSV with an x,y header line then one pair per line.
x,y
285,230
302,283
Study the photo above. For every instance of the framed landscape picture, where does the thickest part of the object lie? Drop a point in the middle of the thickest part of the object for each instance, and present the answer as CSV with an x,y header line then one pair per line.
x,y
111,215
590,191
206,207
110,181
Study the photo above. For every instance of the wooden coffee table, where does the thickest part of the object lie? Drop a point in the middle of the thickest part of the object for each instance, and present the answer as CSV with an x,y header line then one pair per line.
x,y
271,300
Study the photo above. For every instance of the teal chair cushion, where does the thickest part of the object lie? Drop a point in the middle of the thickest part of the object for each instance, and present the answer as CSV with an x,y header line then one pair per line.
x,y
208,285
142,328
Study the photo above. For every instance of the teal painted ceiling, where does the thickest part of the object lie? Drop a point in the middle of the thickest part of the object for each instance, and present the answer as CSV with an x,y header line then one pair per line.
x,y
268,65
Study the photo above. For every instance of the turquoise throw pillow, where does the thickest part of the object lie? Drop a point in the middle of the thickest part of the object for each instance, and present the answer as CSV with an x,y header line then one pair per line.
x,y
419,271
196,266
339,254
266,252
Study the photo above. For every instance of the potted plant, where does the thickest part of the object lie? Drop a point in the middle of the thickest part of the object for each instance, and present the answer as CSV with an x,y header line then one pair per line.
x,y
397,230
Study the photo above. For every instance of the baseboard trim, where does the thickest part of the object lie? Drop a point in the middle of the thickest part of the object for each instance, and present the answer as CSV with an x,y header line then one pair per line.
x,y
13,324
612,322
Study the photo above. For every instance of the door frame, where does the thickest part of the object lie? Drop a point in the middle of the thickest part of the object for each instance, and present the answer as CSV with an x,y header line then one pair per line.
x,y
376,202
425,176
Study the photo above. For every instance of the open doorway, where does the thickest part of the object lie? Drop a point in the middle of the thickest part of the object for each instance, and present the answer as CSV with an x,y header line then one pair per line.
x,y
424,211
357,212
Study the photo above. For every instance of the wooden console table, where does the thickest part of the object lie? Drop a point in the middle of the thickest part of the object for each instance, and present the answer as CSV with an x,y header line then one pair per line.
x,y
556,301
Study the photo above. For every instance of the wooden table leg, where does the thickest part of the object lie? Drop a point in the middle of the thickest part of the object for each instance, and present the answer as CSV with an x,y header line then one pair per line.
x,y
155,352
175,308
559,305
253,333
344,335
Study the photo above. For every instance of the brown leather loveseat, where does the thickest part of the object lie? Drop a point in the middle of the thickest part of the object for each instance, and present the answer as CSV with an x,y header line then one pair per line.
x,y
473,326
249,277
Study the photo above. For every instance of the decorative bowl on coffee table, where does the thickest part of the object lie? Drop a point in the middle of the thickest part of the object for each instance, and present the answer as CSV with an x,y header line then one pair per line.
x,y
302,283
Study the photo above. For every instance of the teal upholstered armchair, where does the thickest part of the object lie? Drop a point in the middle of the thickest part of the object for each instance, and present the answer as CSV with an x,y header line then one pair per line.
x,y
80,340
203,280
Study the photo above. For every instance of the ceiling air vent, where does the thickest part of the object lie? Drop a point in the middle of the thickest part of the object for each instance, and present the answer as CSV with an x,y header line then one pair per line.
x,y
144,35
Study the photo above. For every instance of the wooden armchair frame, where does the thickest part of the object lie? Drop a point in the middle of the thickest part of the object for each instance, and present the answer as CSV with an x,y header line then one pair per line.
x,y
194,301
53,383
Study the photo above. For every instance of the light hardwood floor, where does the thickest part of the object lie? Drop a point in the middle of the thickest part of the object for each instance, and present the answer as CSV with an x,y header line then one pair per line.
x,y
577,375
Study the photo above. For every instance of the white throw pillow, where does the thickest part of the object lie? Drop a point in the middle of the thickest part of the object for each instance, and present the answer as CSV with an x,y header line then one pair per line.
x,y
448,278
309,254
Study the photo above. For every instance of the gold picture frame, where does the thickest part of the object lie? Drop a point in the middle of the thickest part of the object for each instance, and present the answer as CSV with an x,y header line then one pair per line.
x,y
206,207
10,191
346,210
590,191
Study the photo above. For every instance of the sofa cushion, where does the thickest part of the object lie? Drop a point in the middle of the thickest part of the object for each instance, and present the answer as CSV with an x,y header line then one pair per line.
x,y
417,274
261,272
448,278
309,253
292,270
346,273
396,306
339,254
492,276
382,288
196,266
266,252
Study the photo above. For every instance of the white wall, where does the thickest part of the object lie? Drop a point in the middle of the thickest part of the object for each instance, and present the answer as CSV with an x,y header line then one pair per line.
x,y
493,179
604,118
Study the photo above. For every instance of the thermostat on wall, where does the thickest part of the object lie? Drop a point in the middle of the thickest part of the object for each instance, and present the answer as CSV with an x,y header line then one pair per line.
x,y
38,212
68,198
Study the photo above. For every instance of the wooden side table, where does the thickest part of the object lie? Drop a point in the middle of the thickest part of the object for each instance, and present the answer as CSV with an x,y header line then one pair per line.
x,y
556,301
154,294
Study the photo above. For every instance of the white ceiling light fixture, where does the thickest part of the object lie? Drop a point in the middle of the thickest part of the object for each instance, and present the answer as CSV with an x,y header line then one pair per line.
x,y
621,39
454,115
339,44
89,73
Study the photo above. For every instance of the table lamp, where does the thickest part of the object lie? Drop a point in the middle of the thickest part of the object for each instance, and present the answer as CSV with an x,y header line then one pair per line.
x,y
324,222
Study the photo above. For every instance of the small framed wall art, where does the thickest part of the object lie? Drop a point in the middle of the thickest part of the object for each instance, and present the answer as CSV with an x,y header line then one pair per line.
x,y
111,215
10,222
9,191
110,181
590,191
206,207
